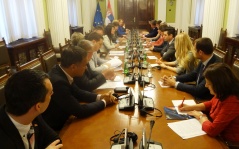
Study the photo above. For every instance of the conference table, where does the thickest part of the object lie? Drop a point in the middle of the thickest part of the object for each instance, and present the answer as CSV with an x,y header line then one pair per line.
x,y
94,132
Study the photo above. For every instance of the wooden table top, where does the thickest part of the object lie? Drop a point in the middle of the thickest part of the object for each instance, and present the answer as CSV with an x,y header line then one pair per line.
x,y
95,131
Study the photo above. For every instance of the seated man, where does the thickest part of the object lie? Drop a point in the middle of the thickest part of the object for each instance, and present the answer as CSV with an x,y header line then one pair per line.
x,y
204,52
91,80
28,94
66,97
154,30
121,30
96,63
168,52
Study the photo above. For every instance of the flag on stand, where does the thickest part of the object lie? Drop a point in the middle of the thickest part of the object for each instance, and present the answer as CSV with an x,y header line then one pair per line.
x,y
98,19
109,15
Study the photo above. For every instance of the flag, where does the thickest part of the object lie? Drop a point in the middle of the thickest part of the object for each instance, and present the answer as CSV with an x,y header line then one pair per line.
x,y
98,19
109,15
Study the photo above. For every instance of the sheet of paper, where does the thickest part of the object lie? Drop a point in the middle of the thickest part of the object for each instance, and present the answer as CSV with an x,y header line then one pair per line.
x,y
176,103
154,65
118,82
187,128
115,62
163,86
121,47
117,53
152,57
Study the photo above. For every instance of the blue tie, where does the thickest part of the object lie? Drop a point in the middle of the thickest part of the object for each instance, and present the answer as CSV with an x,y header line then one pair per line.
x,y
200,73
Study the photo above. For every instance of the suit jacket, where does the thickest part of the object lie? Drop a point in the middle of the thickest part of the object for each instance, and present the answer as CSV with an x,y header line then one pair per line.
x,y
152,33
10,136
90,80
65,101
168,52
199,91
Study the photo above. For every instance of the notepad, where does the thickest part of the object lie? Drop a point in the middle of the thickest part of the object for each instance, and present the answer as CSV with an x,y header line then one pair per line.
x,y
177,103
187,128
152,57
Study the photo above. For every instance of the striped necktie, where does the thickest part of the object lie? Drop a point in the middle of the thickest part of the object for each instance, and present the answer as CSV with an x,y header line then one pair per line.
x,y
30,137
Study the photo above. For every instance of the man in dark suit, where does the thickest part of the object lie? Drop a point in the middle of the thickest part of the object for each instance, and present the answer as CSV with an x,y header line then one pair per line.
x,y
28,94
204,52
154,30
168,52
66,97
91,80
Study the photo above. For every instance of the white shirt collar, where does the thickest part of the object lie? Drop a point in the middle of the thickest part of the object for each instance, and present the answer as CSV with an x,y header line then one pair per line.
x,y
69,78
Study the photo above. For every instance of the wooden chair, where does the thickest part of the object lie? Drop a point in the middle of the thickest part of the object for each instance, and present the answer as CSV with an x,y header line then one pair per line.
x,y
3,80
48,59
47,35
4,58
220,54
235,67
222,38
62,48
67,41
33,64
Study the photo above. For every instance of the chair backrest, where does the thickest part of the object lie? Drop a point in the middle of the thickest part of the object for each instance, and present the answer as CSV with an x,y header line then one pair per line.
x,y
220,54
62,48
235,67
3,80
33,64
222,38
47,35
4,58
67,41
48,59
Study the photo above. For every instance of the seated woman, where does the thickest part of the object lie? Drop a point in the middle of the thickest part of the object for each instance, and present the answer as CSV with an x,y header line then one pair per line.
x,y
159,43
185,61
223,108
158,23
107,39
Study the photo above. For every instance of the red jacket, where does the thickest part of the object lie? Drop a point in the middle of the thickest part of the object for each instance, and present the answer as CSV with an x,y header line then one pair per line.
x,y
225,118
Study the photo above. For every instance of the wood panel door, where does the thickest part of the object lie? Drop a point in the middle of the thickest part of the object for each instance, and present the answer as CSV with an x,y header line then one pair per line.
x,y
136,13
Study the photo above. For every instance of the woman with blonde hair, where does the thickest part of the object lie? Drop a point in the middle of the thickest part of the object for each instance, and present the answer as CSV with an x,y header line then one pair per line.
x,y
185,61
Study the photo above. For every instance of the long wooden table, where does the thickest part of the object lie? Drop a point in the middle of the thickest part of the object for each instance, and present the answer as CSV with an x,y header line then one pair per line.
x,y
94,132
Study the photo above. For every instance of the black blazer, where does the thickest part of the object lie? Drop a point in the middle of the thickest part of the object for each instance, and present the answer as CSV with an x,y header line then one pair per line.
x,y
152,33
199,91
11,139
65,101
168,52
90,80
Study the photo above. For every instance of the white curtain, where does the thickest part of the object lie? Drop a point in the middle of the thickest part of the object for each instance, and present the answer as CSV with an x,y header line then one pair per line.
x,y
213,19
233,18
17,19
183,12
72,12
88,13
58,21
199,11
40,17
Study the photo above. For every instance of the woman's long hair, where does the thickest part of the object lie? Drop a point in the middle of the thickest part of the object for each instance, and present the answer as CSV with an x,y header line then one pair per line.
x,y
223,79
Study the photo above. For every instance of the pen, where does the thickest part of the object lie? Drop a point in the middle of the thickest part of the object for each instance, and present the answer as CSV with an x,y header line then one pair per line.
x,y
182,102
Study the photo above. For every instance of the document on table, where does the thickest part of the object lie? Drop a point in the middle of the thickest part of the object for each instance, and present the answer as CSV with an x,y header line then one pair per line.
x,y
176,103
163,86
114,62
112,84
119,53
152,57
187,128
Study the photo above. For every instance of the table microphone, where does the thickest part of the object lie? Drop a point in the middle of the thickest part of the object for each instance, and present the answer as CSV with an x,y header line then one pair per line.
x,y
151,128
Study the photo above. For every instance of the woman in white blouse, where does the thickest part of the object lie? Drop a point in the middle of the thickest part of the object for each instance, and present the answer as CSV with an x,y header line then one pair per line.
x,y
107,39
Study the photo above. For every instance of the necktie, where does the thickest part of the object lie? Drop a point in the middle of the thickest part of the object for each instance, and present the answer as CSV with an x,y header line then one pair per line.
x,y
200,72
30,137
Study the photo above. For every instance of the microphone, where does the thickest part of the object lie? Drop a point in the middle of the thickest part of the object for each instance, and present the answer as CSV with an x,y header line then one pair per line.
x,y
151,128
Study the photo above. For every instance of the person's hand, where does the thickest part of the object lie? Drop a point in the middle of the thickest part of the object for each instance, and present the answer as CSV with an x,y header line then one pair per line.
x,y
158,61
55,145
184,107
116,45
107,64
109,98
163,65
169,81
195,113
109,74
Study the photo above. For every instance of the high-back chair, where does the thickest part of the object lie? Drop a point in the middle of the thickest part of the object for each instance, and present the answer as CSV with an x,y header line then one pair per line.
x,y
4,58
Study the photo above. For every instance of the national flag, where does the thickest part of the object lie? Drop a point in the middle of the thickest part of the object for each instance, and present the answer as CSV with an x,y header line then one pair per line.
x,y
98,19
109,15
